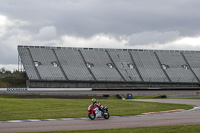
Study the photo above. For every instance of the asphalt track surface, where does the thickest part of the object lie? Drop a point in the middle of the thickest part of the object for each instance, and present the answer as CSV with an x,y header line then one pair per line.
x,y
166,119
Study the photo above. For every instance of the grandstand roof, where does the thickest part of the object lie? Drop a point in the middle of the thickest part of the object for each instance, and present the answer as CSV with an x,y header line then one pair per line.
x,y
109,49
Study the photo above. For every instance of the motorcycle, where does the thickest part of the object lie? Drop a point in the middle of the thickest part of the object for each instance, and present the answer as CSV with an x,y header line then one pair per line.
x,y
95,112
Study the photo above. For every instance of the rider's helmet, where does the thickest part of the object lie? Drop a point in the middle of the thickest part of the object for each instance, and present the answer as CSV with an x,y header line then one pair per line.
x,y
94,100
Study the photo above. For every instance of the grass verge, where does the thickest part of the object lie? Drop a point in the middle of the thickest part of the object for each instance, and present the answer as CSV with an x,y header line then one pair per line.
x,y
50,108
163,129
145,96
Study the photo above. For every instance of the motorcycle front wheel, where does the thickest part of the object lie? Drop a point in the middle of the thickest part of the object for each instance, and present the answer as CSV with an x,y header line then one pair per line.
x,y
107,116
91,116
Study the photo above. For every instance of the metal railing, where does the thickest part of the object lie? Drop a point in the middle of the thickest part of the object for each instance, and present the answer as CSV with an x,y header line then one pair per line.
x,y
117,79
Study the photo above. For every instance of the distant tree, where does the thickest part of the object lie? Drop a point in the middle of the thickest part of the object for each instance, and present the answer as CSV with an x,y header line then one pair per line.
x,y
2,70
7,71
16,71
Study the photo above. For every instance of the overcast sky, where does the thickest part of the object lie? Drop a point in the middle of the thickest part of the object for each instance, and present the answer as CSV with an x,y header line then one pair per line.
x,y
135,24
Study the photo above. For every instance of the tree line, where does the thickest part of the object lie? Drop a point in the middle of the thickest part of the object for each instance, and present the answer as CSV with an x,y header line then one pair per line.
x,y
4,71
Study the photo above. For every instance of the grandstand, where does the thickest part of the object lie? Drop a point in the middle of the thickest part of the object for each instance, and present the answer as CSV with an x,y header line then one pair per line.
x,y
109,68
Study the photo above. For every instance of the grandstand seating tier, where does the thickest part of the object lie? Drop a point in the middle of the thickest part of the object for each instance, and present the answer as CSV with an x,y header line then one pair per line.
x,y
109,65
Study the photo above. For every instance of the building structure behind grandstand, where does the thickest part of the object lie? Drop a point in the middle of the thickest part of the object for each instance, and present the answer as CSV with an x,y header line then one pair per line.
x,y
70,67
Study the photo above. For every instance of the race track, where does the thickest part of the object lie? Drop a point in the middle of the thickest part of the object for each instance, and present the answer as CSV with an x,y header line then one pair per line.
x,y
181,118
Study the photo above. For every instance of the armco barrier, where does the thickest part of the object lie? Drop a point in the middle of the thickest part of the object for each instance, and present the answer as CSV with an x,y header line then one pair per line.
x,y
184,96
45,89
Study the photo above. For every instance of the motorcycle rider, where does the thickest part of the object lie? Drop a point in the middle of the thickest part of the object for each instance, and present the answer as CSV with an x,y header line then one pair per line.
x,y
96,110
95,103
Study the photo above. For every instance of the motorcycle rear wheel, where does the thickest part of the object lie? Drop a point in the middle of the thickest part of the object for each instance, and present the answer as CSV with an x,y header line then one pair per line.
x,y
91,116
107,116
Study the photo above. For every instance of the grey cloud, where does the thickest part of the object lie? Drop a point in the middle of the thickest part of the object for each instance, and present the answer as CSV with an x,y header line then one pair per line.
x,y
140,21
88,17
8,54
46,33
153,37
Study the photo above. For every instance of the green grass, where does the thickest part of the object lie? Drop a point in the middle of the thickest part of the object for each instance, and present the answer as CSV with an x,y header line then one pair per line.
x,y
49,108
145,96
162,129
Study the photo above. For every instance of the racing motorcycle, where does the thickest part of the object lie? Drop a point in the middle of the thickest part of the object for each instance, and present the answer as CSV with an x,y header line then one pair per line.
x,y
95,112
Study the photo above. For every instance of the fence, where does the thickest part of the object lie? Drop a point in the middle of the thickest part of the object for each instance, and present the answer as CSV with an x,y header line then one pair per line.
x,y
184,96
2,75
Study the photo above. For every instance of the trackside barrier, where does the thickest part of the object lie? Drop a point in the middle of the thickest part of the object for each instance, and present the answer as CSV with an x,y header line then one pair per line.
x,y
45,89
184,96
